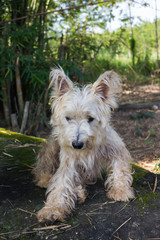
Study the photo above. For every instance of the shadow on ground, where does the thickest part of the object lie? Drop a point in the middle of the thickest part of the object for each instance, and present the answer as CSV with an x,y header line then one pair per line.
x,y
98,218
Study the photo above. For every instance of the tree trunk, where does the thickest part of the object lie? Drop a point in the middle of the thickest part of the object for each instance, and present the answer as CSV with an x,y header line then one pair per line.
x,y
132,40
14,122
141,105
156,35
5,105
5,86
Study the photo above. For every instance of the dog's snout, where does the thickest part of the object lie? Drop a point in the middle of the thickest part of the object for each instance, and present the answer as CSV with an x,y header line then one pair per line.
x,y
77,144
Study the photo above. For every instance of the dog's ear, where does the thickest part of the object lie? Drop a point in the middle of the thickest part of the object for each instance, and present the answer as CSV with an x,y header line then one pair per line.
x,y
107,86
60,81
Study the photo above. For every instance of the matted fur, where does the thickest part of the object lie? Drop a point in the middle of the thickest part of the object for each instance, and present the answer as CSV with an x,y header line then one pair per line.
x,y
82,143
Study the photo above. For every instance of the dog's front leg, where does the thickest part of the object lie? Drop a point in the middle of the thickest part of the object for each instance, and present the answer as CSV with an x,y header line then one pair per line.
x,y
119,169
47,162
62,193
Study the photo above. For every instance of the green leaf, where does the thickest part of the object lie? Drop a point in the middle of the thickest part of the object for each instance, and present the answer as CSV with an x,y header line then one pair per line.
x,y
152,132
125,19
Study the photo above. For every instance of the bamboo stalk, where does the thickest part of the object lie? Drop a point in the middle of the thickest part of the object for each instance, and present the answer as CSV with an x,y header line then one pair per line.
x,y
25,116
18,86
14,122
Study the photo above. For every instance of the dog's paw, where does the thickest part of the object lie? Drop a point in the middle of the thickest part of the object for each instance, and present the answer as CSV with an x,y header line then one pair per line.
x,y
43,180
81,194
121,194
50,214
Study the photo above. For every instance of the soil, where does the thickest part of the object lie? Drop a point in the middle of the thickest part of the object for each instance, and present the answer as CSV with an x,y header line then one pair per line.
x,y
140,128
99,218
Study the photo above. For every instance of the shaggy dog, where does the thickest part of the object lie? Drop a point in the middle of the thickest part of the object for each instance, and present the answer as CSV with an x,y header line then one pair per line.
x,y
81,145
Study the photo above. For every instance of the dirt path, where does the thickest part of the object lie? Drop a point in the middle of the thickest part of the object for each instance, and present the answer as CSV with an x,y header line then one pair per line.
x,y
140,129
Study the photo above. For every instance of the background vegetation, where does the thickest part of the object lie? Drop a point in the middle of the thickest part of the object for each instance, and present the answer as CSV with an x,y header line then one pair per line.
x,y
30,46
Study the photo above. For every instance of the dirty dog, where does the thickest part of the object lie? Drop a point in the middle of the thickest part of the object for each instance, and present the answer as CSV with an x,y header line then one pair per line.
x,y
81,145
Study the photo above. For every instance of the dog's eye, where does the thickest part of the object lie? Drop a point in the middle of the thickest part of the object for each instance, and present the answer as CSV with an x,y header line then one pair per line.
x,y
90,119
68,119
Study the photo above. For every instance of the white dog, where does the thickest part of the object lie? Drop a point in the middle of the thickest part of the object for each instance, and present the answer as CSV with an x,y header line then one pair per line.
x,y
82,144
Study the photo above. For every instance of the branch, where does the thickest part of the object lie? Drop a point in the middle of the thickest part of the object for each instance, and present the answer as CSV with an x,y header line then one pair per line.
x,y
59,10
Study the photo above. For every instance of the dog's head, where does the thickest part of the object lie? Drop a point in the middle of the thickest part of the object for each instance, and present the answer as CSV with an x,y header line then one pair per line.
x,y
80,116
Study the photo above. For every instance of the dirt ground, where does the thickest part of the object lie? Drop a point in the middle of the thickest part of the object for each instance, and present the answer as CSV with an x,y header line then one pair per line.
x,y
140,128
99,218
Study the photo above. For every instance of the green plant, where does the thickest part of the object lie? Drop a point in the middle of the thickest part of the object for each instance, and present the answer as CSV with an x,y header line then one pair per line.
x,y
157,166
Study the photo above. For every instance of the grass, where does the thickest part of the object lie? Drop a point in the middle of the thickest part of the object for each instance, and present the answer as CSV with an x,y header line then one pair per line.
x,y
140,74
18,151
7,134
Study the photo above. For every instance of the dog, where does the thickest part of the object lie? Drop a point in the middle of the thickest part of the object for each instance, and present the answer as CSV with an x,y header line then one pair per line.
x,y
82,143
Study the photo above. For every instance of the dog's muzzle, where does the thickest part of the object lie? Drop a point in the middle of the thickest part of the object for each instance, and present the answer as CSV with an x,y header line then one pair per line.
x,y
77,145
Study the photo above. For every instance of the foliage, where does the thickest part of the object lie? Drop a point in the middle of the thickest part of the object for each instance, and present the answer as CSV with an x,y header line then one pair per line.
x,y
157,166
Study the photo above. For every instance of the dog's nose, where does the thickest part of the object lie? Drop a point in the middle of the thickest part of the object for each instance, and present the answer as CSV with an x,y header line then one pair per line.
x,y
77,145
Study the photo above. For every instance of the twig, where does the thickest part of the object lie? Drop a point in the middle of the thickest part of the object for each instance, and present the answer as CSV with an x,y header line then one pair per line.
x,y
121,225
53,227
21,145
117,237
54,235
1,237
34,150
72,227
1,234
29,166
93,195
9,155
107,203
101,205
149,134
68,229
29,232
155,184
98,213
10,202
122,208
20,209
149,186
131,68
90,220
